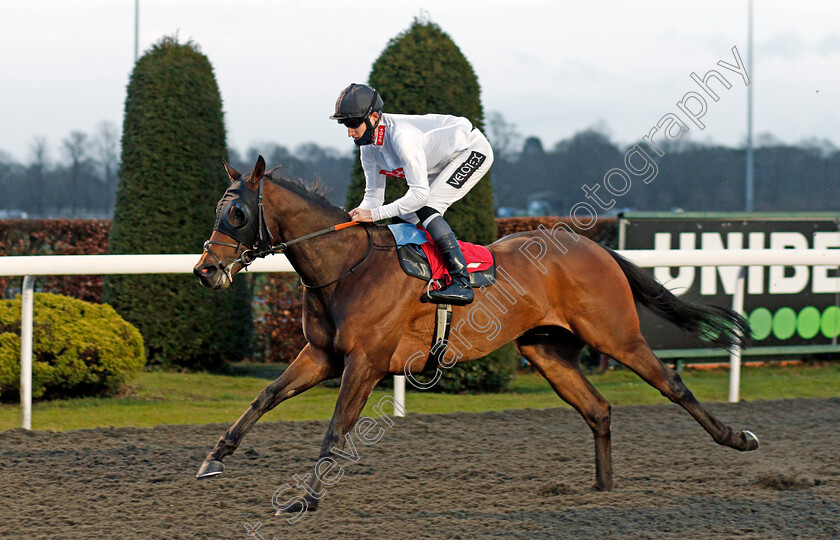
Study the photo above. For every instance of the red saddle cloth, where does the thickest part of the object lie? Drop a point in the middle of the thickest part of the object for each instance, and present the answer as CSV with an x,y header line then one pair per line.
x,y
478,257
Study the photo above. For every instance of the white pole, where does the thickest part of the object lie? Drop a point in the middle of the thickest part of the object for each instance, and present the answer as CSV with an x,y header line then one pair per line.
x,y
27,296
750,180
399,395
735,356
136,29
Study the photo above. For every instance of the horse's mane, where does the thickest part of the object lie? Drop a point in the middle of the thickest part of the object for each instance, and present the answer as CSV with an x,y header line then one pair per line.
x,y
315,192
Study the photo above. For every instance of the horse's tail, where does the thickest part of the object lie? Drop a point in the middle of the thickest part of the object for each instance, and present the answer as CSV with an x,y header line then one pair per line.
x,y
721,326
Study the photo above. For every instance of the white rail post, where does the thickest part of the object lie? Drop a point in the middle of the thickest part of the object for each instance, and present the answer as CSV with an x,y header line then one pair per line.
x,y
735,356
399,395
26,315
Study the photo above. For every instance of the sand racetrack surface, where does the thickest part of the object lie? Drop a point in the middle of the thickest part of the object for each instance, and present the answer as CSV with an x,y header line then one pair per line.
x,y
514,474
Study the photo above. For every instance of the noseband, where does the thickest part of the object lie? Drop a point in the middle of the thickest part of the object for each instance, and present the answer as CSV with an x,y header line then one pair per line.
x,y
253,239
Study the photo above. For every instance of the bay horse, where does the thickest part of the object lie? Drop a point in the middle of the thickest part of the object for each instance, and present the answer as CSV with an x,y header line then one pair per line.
x,y
362,318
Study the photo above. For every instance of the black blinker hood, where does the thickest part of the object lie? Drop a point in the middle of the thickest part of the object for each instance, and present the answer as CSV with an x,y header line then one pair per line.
x,y
239,196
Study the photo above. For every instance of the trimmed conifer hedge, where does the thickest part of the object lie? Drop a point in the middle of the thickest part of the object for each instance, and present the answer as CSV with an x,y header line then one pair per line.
x,y
422,71
171,178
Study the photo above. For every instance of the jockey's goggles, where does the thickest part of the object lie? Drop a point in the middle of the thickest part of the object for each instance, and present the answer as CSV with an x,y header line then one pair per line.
x,y
352,123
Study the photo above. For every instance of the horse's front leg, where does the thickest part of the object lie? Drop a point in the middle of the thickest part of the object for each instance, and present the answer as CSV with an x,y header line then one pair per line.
x,y
359,379
310,367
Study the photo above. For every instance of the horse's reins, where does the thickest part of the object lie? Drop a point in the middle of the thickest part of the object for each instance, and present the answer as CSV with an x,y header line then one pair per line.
x,y
262,249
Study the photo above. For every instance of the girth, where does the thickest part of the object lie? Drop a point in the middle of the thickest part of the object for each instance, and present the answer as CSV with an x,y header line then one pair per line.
x,y
440,338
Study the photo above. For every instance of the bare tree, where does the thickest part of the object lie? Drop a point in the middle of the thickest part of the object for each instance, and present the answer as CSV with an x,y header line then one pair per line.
x,y
503,136
13,193
106,149
40,193
76,147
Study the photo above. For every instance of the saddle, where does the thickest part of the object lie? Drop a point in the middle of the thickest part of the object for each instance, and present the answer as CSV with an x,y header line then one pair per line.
x,y
420,257
417,250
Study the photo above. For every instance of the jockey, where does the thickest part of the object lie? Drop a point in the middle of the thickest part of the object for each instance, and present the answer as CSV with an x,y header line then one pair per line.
x,y
441,158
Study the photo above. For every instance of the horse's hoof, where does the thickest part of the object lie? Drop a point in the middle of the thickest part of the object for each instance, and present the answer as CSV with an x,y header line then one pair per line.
x,y
298,507
210,467
751,440
312,503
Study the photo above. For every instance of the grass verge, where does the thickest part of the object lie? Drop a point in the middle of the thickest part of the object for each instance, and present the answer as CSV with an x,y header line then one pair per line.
x,y
154,398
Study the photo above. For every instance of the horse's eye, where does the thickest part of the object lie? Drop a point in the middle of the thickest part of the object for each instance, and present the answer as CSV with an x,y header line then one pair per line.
x,y
236,216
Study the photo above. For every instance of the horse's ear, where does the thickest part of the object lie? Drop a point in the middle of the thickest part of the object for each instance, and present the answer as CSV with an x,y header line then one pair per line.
x,y
233,174
259,170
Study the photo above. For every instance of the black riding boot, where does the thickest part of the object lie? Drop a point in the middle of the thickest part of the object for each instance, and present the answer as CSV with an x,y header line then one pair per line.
x,y
459,291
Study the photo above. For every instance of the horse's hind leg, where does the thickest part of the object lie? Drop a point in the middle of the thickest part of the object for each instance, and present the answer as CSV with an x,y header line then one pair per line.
x,y
638,356
558,360
311,367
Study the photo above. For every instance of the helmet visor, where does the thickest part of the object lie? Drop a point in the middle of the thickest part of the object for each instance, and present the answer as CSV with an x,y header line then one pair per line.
x,y
352,123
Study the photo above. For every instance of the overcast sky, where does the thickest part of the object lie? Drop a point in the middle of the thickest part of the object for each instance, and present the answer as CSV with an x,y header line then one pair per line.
x,y
552,68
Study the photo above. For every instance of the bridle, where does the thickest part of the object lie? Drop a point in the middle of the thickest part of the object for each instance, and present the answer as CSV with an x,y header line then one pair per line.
x,y
254,240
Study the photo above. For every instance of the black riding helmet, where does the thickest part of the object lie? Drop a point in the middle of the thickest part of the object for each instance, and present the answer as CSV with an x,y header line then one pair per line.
x,y
354,105
356,101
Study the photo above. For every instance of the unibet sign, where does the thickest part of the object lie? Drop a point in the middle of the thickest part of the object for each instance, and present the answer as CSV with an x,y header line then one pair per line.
x,y
773,279
808,323
786,305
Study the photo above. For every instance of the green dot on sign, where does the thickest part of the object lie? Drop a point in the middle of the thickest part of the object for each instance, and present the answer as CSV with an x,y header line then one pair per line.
x,y
808,322
831,322
784,323
761,322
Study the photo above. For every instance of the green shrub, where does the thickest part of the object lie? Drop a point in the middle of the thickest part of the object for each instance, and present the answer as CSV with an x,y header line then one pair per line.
x,y
490,373
79,348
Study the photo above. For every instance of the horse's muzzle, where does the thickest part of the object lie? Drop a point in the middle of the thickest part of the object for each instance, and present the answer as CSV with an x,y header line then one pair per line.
x,y
210,276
